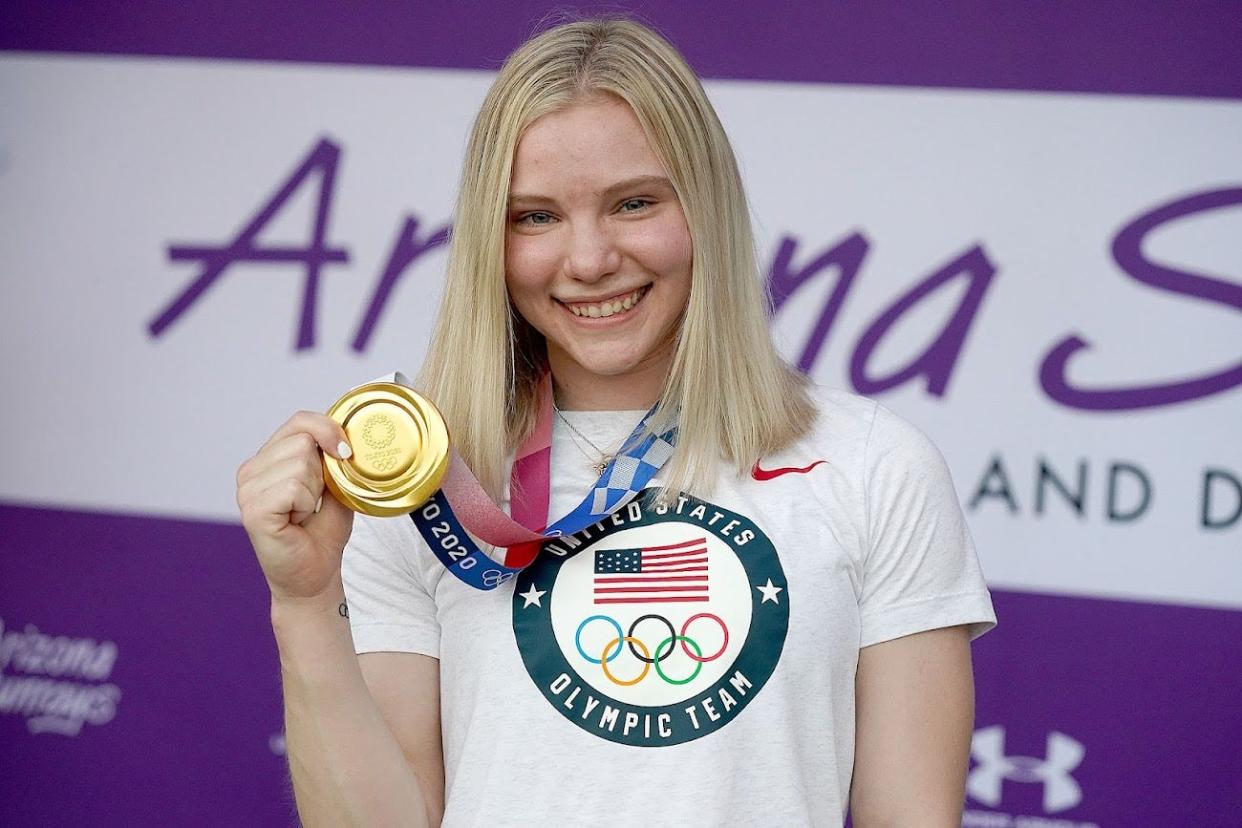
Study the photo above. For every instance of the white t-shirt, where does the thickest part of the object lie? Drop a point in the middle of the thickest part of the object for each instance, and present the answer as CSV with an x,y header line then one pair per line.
x,y
754,606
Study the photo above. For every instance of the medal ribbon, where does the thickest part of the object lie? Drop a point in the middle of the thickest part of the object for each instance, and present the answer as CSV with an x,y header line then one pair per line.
x,y
523,534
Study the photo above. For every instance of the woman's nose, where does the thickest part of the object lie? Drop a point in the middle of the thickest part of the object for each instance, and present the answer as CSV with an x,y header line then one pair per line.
x,y
593,253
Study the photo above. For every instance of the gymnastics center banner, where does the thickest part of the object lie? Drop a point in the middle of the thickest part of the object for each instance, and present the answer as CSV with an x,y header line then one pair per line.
x,y
193,246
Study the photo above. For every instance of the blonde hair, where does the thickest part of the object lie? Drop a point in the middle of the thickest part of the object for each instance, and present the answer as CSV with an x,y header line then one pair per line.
x,y
739,399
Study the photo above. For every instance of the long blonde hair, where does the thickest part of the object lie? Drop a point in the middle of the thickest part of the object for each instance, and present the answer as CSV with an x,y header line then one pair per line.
x,y
727,382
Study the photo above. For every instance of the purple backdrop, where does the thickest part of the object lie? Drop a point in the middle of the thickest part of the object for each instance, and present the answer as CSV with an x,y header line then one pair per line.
x,y
1150,47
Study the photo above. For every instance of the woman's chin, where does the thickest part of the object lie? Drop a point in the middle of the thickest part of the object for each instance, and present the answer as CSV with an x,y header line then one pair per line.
x,y
613,363
608,369
607,364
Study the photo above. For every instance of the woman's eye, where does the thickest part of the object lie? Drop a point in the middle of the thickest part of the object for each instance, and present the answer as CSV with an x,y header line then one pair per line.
x,y
634,204
535,218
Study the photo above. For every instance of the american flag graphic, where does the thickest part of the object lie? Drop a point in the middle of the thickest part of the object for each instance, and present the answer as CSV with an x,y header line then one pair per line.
x,y
676,572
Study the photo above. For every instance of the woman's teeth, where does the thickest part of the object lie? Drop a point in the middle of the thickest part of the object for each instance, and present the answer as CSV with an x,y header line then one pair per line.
x,y
615,305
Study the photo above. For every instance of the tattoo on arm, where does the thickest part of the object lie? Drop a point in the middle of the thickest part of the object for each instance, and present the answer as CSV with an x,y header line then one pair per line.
x,y
343,610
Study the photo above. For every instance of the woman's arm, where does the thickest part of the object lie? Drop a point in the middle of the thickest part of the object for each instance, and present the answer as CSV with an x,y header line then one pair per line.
x,y
914,717
352,762
347,766
406,687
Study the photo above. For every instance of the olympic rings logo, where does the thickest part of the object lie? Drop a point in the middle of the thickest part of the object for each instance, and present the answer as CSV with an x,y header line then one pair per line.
x,y
662,650
494,577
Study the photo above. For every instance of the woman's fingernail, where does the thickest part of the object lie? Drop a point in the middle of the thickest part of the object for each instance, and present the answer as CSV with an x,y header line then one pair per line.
x,y
318,504
343,449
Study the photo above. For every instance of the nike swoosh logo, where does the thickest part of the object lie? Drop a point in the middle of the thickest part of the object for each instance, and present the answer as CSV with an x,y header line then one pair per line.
x,y
769,474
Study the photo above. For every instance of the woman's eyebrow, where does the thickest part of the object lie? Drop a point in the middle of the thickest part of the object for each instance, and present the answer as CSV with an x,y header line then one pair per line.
x,y
651,181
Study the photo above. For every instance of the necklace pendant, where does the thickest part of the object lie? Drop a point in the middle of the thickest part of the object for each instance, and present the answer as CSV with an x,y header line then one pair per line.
x,y
601,465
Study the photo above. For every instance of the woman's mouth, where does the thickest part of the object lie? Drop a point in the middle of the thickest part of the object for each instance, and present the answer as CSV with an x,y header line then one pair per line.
x,y
612,306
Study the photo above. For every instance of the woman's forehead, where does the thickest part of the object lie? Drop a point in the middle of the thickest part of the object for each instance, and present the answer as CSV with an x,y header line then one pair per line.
x,y
591,144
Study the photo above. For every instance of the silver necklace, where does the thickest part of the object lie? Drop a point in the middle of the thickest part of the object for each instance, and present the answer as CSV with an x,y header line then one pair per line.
x,y
602,458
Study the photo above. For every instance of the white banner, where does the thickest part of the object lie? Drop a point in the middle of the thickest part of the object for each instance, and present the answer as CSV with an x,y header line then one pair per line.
x,y
158,234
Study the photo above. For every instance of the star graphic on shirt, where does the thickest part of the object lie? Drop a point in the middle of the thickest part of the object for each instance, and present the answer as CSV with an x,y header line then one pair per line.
x,y
769,592
532,596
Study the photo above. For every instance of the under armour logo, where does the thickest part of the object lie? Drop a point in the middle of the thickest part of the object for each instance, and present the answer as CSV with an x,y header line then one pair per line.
x,y
1063,754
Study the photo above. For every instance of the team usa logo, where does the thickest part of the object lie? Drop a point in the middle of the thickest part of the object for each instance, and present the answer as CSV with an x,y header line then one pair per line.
x,y
655,626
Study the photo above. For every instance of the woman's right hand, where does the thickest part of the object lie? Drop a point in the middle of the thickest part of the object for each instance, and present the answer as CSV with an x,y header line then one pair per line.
x,y
297,527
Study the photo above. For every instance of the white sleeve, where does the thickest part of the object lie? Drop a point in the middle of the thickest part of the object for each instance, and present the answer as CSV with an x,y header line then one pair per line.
x,y
390,609
920,571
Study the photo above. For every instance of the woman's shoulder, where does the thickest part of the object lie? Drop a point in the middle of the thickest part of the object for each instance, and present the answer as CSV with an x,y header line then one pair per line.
x,y
828,397
846,419
840,414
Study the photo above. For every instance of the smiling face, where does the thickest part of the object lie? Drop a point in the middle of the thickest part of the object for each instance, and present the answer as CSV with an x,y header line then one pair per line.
x,y
597,253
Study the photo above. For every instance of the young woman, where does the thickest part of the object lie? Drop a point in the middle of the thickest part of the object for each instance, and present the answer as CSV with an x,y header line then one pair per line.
x,y
774,630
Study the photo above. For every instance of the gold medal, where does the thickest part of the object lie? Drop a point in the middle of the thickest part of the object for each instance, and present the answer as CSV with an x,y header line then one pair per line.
x,y
401,450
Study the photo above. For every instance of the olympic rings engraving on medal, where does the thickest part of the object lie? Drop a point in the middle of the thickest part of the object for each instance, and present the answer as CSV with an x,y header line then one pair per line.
x,y
723,628
698,665
662,651
658,656
617,640
629,639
